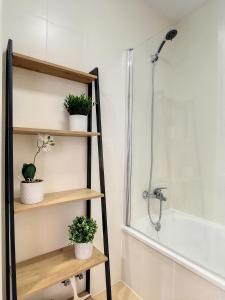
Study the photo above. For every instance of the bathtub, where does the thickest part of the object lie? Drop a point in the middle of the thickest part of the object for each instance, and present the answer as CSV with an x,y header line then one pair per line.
x,y
193,242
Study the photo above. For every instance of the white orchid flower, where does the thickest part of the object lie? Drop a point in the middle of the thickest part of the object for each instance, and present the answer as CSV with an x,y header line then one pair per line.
x,y
44,143
40,139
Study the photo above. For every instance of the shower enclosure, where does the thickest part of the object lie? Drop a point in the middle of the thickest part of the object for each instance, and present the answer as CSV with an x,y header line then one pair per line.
x,y
184,144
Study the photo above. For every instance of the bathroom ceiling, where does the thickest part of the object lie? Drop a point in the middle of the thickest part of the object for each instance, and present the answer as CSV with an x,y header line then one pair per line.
x,y
176,9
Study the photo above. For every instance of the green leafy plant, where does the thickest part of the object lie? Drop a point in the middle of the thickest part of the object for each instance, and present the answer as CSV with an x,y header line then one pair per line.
x,y
44,143
78,105
82,230
28,172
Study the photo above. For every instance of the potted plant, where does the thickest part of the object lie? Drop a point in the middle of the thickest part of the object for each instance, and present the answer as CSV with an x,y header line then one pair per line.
x,y
81,235
78,107
31,189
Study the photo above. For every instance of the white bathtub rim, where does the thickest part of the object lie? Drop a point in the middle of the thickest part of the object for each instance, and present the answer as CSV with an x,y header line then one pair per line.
x,y
202,272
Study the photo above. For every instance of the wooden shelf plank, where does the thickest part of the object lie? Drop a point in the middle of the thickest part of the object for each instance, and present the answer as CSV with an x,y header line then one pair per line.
x,y
33,64
58,198
38,273
54,132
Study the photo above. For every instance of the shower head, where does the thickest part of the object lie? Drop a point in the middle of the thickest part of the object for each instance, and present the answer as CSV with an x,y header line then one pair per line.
x,y
169,37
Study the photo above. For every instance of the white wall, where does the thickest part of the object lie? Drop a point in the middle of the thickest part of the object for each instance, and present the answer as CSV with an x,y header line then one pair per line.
x,y
80,34
193,114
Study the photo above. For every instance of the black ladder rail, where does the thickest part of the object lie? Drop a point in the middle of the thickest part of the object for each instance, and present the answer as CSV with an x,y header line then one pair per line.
x,y
11,290
89,172
102,184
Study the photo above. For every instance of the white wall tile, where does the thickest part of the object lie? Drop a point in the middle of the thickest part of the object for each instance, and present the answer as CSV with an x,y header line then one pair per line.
x,y
188,286
27,32
29,7
149,273
68,13
65,46
222,295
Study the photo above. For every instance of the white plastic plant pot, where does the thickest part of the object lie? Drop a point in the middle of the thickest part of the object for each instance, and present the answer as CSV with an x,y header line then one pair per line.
x,y
78,122
31,192
83,250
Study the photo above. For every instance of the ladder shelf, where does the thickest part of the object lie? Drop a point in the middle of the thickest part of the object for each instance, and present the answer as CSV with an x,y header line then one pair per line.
x,y
35,274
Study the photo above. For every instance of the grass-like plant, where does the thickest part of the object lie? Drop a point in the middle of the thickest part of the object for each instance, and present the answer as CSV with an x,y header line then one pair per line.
x,y
82,230
78,105
44,143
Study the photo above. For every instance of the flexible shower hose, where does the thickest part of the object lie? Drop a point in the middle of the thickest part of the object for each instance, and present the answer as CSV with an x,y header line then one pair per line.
x,y
157,222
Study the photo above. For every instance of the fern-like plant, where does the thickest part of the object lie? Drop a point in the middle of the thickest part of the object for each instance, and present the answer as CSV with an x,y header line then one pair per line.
x,y
82,230
78,105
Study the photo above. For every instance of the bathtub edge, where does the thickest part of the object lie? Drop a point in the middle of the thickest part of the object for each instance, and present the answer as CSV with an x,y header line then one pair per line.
x,y
191,266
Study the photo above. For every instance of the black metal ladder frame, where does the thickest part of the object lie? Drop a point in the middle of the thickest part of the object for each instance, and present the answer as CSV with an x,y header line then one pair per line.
x,y
11,289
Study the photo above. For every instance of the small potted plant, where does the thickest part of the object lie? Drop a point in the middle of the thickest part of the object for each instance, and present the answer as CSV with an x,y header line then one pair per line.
x,y
78,107
81,235
31,189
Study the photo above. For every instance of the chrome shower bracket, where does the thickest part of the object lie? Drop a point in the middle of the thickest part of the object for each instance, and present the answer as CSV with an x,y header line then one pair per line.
x,y
145,195
154,58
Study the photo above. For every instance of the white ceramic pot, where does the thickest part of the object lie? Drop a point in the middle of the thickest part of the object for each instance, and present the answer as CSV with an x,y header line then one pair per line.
x,y
78,122
31,192
83,250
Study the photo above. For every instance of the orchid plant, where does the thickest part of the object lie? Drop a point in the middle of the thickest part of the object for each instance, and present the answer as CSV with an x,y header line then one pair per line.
x,y
44,144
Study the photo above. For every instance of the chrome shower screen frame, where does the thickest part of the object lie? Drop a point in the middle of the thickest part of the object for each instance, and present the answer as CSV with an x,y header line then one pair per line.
x,y
129,112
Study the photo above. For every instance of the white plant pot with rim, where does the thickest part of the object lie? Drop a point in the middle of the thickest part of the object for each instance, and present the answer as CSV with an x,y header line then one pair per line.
x,y
78,122
83,250
31,192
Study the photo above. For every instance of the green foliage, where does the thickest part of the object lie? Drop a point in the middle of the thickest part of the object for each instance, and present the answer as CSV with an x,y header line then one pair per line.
x,y
28,172
82,230
78,105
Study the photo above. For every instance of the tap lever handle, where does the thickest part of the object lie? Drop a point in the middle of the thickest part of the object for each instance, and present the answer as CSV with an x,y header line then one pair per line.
x,y
159,189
